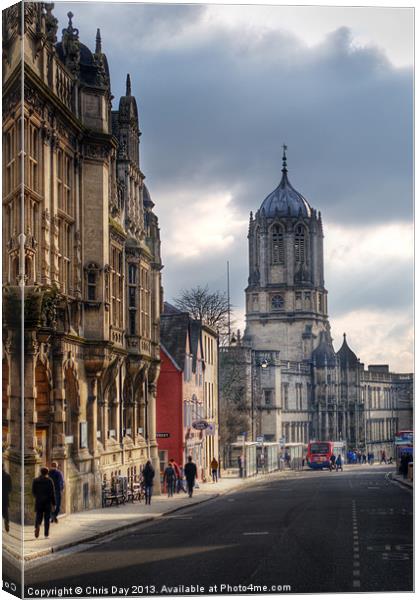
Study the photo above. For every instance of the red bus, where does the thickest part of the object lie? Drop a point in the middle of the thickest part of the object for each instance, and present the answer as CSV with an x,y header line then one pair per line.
x,y
319,453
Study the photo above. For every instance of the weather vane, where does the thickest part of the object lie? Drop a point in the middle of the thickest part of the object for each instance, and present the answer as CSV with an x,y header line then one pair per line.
x,y
284,158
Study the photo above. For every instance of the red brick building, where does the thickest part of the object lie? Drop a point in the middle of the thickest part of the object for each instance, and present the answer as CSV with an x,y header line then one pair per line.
x,y
180,390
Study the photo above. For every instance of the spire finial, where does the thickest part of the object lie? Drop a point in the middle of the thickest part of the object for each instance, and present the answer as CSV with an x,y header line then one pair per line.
x,y
284,170
128,86
98,49
70,16
344,335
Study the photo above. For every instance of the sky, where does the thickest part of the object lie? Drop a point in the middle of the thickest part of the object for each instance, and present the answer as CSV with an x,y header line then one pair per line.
x,y
221,88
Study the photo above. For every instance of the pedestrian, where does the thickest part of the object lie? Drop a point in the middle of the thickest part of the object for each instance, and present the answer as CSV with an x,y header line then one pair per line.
x,y
6,491
190,471
44,494
364,458
240,466
178,485
383,457
332,462
148,476
339,463
214,465
405,459
58,480
169,479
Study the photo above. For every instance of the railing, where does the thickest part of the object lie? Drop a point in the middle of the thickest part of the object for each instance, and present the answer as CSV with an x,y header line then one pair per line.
x,y
63,86
294,366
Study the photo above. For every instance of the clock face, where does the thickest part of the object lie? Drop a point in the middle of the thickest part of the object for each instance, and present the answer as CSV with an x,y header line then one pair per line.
x,y
277,302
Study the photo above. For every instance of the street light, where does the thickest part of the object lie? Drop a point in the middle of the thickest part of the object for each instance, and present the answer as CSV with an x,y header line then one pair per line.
x,y
256,362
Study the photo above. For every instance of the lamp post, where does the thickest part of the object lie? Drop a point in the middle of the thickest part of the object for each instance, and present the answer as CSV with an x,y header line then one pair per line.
x,y
255,363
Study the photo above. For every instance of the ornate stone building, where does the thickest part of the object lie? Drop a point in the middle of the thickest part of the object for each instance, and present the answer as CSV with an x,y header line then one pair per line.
x,y
299,388
81,241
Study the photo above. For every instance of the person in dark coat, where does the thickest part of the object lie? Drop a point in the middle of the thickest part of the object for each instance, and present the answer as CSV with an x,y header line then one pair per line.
x,y
58,480
405,459
148,476
214,466
6,491
169,478
190,471
44,494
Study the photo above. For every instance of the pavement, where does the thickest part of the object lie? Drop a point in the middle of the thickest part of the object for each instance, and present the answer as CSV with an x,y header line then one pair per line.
x,y
306,532
90,525
400,479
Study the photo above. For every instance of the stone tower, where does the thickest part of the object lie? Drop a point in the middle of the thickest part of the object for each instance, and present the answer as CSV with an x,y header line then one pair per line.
x,y
286,301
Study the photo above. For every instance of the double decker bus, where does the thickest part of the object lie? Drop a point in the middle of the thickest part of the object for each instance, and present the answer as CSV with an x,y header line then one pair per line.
x,y
319,453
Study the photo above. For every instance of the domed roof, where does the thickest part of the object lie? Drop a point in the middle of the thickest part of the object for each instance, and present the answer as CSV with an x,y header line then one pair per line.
x,y
86,56
147,201
285,201
88,61
324,354
346,356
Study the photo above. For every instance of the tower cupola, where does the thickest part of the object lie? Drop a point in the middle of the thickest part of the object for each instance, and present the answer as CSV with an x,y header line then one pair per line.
x,y
285,201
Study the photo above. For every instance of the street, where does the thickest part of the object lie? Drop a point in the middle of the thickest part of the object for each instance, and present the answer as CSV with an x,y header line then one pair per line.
x,y
313,532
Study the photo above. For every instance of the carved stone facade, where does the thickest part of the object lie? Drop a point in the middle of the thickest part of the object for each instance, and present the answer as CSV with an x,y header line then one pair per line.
x,y
81,240
301,389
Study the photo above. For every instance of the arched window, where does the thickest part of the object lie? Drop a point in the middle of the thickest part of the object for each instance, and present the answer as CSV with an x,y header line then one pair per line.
x,y
277,245
300,243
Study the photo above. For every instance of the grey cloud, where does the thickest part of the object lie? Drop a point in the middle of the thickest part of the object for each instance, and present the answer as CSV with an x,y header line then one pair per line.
x,y
215,111
390,286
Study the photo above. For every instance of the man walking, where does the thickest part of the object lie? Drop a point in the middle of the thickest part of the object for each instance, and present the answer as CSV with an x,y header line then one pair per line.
x,y
148,476
190,471
58,480
44,494
6,491
214,465
169,478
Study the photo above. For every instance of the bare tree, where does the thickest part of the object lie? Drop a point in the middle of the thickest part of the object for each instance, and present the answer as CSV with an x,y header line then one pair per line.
x,y
210,307
235,395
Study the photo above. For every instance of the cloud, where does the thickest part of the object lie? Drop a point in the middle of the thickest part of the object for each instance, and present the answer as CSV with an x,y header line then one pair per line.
x,y
378,337
369,267
199,224
217,99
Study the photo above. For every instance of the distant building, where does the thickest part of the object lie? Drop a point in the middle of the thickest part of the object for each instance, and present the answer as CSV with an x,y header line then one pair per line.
x,y
89,261
296,387
187,391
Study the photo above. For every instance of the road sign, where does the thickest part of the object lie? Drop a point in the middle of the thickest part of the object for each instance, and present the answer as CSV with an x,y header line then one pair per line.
x,y
260,439
282,441
200,425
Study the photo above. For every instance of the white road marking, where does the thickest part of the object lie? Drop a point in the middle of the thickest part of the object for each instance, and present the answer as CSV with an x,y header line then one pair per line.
x,y
356,583
356,563
356,573
255,533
